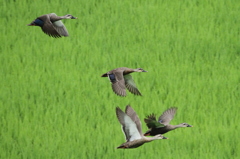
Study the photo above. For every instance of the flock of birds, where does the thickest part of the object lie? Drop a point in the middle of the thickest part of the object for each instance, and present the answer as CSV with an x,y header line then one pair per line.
x,y
121,80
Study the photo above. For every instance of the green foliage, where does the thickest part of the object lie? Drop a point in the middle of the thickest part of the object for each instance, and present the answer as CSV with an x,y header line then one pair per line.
x,y
54,104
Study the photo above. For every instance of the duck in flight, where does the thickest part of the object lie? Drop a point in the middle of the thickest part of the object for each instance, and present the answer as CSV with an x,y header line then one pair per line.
x,y
162,126
121,79
52,25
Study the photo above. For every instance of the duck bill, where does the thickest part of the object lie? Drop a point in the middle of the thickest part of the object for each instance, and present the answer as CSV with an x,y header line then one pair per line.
x,y
74,17
144,71
189,126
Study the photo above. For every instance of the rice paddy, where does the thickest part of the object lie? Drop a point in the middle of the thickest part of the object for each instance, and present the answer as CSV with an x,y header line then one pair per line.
x,y
54,104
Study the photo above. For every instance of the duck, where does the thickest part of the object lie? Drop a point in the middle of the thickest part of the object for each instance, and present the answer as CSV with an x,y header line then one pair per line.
x,y
162,126
132,128
121,79
52,25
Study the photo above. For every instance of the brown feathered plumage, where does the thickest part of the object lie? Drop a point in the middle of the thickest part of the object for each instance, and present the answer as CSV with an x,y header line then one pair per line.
x,y
132,128
121,79
162,126
52,25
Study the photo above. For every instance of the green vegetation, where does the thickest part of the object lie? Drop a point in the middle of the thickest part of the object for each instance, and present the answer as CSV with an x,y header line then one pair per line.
x,y
54,104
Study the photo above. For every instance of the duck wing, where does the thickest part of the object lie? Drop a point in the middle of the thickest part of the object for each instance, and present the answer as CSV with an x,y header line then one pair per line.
x,y
130,84
167,116
58,25
48,27
133,115
129,127
118,84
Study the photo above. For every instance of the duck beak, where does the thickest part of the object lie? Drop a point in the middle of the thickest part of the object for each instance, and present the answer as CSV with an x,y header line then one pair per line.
x,y
189,126
144,71
165,137
74,17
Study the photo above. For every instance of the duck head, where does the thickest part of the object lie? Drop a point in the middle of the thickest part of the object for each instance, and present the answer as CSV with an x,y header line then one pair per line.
x,y
140,70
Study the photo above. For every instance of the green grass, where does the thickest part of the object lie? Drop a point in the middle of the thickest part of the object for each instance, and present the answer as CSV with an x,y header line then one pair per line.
x,y
54,104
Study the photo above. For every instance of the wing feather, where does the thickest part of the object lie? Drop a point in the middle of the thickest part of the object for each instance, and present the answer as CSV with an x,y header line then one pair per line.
x,y
130,84
133,115
151,122
128,126
48,27
167,116
117,81
59,26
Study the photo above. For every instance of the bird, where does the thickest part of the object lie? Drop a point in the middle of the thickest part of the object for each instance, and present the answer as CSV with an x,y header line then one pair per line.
x,y
52,25
121,79
132,128
162,126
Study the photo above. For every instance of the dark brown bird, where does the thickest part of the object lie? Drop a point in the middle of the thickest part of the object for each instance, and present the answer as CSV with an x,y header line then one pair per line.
x,y
121,79
132,128
162,126
52,25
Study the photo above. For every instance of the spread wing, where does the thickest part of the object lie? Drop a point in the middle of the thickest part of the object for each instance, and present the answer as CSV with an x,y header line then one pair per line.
x,y
133,115
48,27
129,127
118,84
151,122
58,25
167,116
130,84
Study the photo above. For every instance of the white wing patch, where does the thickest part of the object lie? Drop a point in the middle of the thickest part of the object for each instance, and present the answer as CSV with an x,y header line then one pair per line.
x,y
130,129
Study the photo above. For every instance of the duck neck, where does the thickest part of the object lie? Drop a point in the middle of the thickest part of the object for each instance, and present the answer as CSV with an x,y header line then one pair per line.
x,y
128,71
172,127
149,139
57,18
177,126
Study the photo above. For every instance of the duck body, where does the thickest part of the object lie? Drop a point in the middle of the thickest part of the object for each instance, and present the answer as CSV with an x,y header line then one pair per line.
x,y
128,145
162,126
121,79
52,25
132,144
162,130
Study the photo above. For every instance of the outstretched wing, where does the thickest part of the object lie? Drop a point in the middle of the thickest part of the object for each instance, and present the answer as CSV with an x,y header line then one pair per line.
x,y
58,25
48,27
117,81
129,127
167,116
133,115
130,84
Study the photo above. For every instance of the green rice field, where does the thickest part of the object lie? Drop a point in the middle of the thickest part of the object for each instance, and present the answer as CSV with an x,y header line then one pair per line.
x,y
54,104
